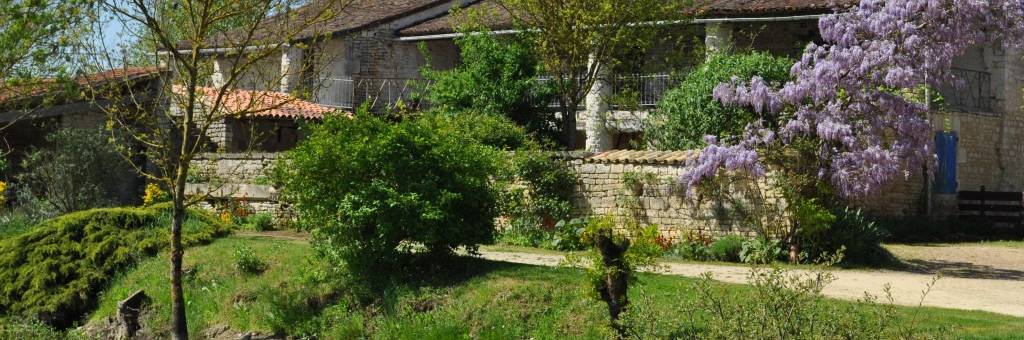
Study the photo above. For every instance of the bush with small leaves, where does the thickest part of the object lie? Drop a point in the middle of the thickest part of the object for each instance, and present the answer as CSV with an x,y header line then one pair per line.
x,y
260,222
727,248
760,251
247,262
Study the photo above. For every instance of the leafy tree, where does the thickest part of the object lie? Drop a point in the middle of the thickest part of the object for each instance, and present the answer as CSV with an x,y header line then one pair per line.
x,y
78,169
37,37
498,76
577,40
689,112
369,190
189,37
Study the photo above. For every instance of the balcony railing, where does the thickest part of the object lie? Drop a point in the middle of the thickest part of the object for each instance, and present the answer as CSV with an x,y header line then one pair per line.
x,y
379,93
972,91
642,91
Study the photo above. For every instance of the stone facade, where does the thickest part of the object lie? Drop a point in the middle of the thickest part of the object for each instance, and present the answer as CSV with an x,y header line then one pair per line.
x,y
643,185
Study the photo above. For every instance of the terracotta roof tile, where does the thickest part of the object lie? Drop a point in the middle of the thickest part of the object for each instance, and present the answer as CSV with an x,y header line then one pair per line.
x,y
47,86
265,104
640,157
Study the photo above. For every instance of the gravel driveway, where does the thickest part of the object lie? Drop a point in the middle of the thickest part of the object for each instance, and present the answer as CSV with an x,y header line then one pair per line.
x,y
974,277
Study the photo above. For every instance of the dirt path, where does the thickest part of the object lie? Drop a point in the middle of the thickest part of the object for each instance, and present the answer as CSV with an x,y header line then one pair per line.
x,y
1004,296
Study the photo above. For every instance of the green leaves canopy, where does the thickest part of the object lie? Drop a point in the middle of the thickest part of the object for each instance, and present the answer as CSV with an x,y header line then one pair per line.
x,y
689,112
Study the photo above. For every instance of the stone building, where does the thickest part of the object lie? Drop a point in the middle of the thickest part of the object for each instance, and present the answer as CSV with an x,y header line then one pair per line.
x,y
28,113
373,56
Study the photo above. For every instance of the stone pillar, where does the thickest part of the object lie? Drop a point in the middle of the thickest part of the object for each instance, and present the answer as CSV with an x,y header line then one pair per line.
x,y
220,66
1008,81
596,112
718,37
291,68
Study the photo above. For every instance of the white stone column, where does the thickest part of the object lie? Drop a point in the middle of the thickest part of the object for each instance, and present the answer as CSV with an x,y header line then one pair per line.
x,y
220,66
718,38
291,68
596,112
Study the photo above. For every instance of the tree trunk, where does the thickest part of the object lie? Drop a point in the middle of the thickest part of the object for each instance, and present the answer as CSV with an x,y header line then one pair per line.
x,y
794,251
568,124
180,328
615,284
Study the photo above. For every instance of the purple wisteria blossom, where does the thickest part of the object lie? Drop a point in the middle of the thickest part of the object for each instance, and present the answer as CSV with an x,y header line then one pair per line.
x,y
846,91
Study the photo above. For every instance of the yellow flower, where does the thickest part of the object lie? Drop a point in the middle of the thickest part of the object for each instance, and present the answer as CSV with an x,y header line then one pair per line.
x,y
153,194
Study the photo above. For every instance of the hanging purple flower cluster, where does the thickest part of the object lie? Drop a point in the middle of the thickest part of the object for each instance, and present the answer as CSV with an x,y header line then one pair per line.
x,y
847,92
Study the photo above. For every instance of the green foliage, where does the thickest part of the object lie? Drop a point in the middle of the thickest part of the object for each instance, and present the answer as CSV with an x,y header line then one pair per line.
x,y
12,328
851,230
689,112
690,250
614,258
54,271
727,248
77,169
760,250
37,37
365,186
247,262
489,129
536,198
790,305
13,224
263,221
497,75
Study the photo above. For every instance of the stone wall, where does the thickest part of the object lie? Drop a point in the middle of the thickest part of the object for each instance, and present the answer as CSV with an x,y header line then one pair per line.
x,y
237,181
656,198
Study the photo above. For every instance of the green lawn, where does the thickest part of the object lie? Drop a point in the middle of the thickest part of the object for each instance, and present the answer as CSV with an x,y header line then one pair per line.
x,y
489,301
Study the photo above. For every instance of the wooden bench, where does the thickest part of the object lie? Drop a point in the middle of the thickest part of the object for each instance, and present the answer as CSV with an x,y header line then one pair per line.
x,y
991,206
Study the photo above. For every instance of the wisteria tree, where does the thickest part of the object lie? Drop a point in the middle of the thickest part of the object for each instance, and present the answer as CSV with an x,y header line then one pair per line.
x,y
850,100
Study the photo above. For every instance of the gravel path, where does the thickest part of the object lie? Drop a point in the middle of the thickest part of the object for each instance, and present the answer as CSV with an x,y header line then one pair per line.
x,y
1003,295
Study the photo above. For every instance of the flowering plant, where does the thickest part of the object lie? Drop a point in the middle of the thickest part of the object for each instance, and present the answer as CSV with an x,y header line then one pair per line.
x,y
849,93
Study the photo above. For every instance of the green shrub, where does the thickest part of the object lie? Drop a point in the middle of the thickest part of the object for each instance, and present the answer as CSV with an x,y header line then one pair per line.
x,y
860,238
29,328
760,250
727,248
247,262
497,75
365,186
690,250
260,222
14,224
689,112
535,196
77,169
55,271
489,129
789,305
615,256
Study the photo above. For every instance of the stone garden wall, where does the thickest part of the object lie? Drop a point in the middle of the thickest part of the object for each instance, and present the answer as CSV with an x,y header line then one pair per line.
x,y
644,185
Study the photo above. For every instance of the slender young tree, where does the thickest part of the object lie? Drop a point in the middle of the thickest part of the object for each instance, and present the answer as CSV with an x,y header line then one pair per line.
x,y
577,40
206,50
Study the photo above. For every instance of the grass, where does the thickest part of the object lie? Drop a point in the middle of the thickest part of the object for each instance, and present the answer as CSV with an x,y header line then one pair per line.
x,y
490,300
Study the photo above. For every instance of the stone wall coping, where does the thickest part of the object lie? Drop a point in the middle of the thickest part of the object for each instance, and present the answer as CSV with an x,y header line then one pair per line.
x,y
630,156
245,192
215,156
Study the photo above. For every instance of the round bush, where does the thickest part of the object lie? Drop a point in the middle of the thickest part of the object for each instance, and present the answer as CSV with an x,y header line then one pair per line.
x,y
727,248
689,112
365,187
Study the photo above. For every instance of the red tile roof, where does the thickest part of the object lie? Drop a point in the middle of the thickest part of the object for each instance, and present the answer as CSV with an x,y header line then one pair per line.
x,y
126,75
264,104
496,17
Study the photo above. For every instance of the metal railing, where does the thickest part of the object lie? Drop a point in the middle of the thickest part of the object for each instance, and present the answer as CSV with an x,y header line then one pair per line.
x,y
379,93
971,91
642,91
